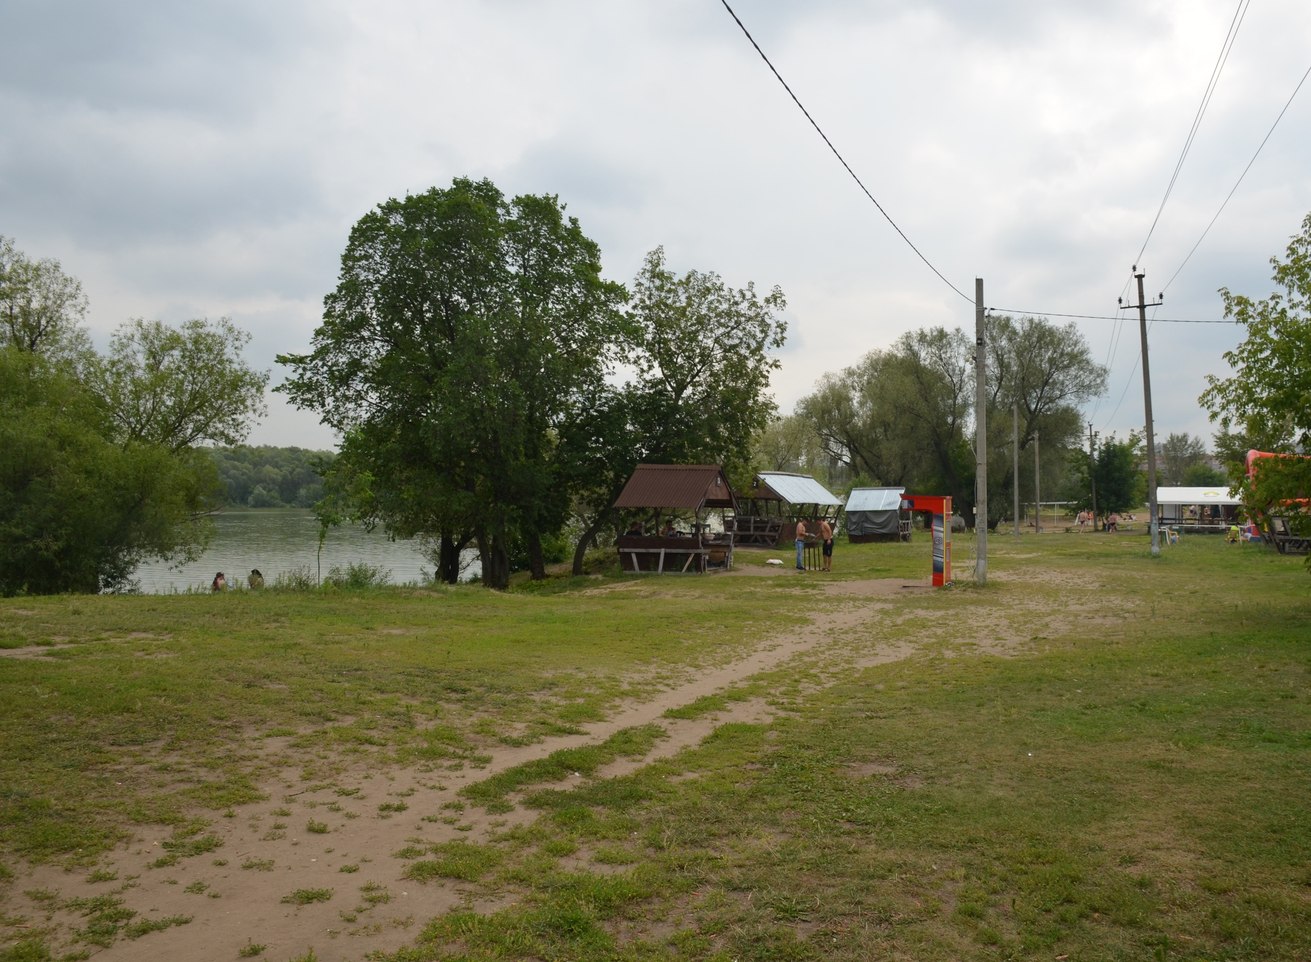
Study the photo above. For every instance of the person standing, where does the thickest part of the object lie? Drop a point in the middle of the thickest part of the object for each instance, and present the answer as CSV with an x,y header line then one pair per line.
x,y
826,536
802,535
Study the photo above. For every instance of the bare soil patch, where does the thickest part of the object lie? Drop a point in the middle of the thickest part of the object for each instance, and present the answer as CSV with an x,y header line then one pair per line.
x,y
347,838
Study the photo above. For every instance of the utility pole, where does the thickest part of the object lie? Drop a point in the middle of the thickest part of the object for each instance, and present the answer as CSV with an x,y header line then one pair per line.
x,y
1147,409
980,441
1037,498
1015,464
1092,470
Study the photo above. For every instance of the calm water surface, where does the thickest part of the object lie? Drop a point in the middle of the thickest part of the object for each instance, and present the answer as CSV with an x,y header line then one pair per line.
x,y
279,541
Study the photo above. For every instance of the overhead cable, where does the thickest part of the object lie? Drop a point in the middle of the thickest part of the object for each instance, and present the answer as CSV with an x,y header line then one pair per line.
x,y
1108,317
839,156
1223,56
1230,195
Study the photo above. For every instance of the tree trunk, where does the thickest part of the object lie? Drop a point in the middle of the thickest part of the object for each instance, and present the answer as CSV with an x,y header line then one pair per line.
x,y
589,536
536,561
495,558
448,558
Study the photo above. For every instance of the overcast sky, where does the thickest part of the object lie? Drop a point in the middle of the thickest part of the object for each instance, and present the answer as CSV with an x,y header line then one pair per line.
x,y
204,159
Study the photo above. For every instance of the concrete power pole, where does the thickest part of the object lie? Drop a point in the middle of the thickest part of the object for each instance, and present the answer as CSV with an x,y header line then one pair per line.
x,y
1015,464
1037,498
980,441
1092,471
1147,410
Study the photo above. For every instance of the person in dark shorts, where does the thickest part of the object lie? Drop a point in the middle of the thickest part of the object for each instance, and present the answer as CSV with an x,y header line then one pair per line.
x,y
826,536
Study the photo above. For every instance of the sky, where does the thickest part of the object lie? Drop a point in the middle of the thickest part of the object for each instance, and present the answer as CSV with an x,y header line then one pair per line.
x,y
208,159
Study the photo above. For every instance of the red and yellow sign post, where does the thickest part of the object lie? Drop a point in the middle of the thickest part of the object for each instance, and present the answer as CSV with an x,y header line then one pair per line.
x,y
939,507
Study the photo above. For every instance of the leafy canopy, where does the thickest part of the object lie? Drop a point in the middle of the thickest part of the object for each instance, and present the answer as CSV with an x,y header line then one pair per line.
x,y
100,470
1268,398
80,507
465,330
905,415
1267,401
41,307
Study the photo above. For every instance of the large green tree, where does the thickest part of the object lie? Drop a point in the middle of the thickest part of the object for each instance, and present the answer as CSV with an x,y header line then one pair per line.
x,y
1267,400
699,355
465,331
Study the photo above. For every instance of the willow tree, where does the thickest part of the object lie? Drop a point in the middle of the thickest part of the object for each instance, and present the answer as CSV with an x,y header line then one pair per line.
x,y
905,415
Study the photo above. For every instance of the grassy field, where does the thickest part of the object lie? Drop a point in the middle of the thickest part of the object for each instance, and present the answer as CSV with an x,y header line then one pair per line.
x,y
1099,755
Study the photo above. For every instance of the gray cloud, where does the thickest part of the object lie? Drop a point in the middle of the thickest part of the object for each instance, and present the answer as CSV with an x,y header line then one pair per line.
x,y
205,158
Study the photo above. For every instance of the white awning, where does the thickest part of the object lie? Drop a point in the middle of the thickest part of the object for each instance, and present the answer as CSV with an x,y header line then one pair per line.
x,y
874,499
799,489
1193,495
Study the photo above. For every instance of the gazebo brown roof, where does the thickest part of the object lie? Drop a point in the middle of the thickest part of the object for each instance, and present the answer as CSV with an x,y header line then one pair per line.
x,y
677,486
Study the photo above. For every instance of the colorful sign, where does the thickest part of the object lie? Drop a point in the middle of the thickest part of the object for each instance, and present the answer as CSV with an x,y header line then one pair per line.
x,y
939,506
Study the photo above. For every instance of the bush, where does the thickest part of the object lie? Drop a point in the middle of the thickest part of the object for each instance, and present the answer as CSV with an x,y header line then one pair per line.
x,y
357,575
296,579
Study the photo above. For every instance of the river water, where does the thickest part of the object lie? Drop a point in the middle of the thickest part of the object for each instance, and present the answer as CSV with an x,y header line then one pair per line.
x,y
285,540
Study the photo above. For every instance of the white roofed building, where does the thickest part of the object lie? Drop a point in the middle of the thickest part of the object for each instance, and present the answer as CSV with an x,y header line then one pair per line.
x,y
768,513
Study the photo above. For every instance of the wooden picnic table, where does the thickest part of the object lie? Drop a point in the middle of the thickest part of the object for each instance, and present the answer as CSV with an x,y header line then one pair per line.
x,y
674,555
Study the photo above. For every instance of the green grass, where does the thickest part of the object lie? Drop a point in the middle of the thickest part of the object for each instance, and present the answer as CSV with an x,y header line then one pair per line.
x,y
1099,755
453,860
561,765
307,896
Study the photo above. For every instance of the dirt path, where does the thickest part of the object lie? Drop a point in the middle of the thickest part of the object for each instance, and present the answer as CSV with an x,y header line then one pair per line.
x,y
344,838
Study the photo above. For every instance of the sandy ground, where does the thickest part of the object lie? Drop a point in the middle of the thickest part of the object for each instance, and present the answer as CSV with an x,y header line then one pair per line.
x,y
373,907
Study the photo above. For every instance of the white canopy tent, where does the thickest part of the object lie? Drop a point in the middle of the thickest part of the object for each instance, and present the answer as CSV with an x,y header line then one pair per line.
x,y
1214,505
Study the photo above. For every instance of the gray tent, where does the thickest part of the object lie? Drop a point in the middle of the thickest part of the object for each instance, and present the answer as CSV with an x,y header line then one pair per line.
x,y
874,514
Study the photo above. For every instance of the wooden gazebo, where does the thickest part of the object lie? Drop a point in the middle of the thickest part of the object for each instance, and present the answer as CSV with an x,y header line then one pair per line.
x,y
769,512
689,493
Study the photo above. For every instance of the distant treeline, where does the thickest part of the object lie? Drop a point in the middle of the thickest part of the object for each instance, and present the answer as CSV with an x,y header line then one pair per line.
x,y
269,477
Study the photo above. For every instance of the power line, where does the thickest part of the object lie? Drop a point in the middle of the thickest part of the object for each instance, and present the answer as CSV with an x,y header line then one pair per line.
x,y
1221,59
1109,317
1230,195
839,156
